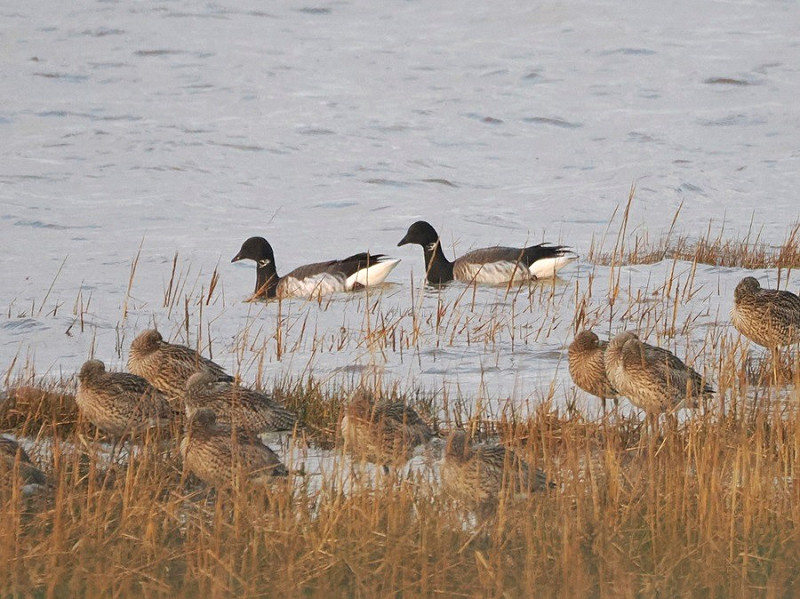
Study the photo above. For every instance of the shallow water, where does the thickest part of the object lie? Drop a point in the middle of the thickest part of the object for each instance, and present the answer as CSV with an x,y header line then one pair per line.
x,y
134,132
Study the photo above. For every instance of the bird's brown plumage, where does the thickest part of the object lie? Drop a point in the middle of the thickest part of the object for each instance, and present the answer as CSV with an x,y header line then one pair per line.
x,y
769,317
382,431
478,475
119,403
587,365
242,407
652,378
168,366
13,458
221,455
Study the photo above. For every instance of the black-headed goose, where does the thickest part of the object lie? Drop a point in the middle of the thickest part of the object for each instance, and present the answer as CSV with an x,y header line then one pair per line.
x,y
313,280
493,265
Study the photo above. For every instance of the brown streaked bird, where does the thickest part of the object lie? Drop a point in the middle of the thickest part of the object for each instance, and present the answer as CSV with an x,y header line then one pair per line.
x,y
119,403
652,378
12,456
239,406
220,455
587,366
168,366
769,317
477,475
382,431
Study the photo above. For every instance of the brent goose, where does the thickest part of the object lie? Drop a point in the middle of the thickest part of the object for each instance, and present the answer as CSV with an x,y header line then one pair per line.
x,y
587,366
313,280
119,403
477,476
219,456
167,366
239,406
493,265
382,431
769,317
652,378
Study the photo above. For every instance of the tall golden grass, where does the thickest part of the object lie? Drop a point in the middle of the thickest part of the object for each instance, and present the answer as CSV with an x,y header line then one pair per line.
x,y
709,507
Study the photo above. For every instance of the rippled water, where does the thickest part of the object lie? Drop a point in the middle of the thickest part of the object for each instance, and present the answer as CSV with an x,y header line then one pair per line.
x,y
141,129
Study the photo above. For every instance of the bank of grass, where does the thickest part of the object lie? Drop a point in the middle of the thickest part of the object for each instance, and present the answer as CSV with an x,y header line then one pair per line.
x,y
715,247
707,507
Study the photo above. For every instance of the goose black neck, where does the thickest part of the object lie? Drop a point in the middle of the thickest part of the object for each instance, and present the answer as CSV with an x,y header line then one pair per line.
x,y
438,268
266,280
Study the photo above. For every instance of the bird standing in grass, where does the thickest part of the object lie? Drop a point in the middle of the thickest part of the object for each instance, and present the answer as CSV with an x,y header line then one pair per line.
x,y
120,403
587,366
382,431
168,366
652,378
220,455
478,475
769,317
239,406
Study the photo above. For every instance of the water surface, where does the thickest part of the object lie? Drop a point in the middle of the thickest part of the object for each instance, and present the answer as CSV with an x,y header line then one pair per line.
x,y
132,132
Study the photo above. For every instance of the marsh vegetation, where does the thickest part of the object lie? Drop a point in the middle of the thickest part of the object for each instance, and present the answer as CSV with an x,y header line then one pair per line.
x,y
707,505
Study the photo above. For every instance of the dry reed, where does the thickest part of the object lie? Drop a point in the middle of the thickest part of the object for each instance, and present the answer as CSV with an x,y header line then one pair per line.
x,y
710,509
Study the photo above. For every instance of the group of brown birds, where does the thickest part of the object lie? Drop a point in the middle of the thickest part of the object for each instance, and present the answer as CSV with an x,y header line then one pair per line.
x,y
656,380
170,383
220,441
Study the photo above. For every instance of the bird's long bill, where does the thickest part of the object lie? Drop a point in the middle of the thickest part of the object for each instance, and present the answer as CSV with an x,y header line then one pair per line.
x,y
237,257
404,240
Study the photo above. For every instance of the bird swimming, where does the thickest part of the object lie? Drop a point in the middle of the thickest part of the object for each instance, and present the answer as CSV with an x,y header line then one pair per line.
x,y
493,265
313,280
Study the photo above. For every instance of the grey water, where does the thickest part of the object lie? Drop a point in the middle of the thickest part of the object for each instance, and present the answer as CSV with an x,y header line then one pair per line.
x,y
134,132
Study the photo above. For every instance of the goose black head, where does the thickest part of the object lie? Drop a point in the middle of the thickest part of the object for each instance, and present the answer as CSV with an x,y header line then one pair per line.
x,y
257,249
421,233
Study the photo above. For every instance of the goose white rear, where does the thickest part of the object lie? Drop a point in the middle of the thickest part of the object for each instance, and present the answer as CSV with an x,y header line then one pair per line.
x,y
547,268
374,275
